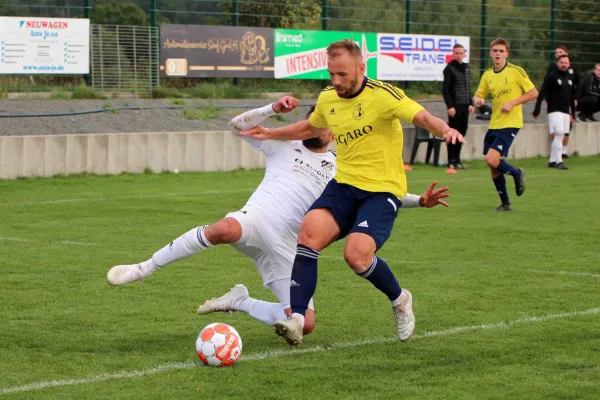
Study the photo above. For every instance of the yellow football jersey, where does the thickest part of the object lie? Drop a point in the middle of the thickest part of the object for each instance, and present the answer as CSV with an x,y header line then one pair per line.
x,y
503,86
368,135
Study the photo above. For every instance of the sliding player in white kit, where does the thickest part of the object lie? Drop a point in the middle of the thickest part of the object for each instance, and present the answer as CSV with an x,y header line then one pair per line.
x,y
266,228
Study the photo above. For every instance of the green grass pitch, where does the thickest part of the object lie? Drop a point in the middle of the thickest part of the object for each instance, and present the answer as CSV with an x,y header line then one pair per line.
x,y
507,305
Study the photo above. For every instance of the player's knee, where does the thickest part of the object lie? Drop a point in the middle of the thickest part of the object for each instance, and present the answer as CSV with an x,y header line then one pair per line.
x,y
228,230
358,260
492,160
310,238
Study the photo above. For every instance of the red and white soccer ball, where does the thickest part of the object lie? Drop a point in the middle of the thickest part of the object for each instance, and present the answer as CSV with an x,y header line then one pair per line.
x,y
219,345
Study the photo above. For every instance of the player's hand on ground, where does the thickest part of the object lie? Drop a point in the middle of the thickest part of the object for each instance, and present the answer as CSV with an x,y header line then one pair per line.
x,y
257,132
433,197
285,104
506,107
479,101
452,112
453,136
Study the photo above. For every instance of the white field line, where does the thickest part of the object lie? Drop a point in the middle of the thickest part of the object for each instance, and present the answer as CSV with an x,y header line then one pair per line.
x,y
62,242
241,190
284,353
340,258
588,274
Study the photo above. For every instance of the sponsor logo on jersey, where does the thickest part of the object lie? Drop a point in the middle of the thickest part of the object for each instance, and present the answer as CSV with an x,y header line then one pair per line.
x,y
345,138
500,93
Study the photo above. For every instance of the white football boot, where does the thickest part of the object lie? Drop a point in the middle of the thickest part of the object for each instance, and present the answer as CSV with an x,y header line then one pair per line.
x,y
226,302
405,318
291,330
122,274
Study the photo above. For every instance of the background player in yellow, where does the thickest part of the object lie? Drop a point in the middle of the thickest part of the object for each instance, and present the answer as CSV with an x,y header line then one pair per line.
x,y
362,200
509,87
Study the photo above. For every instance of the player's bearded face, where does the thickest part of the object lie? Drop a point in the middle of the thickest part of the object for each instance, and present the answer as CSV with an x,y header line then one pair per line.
x,y
346,89
345,73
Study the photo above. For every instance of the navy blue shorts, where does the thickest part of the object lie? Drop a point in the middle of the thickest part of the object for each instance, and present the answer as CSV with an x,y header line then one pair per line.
x,y
499,140
356,210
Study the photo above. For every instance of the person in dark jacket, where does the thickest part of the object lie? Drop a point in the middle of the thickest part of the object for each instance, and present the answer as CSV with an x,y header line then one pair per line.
x,y
573,76
560,98
457,96
589,95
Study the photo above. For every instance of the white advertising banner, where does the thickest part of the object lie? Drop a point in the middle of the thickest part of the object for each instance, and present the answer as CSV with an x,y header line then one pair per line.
x,y
44,45
406,57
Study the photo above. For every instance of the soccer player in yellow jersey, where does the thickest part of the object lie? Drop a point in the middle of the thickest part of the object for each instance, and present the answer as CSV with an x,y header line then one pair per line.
x,y
509,87
362,200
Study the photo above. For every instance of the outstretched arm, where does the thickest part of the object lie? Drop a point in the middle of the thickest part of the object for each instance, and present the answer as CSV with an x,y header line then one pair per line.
x,y
300,130
437,126
253,117
431,198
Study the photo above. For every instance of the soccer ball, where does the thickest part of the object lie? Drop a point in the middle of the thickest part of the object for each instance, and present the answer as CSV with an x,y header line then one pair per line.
x,y
219,345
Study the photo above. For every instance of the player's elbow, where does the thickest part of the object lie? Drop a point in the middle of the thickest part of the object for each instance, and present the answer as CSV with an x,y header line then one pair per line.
x,y
233,125
534,93
422,119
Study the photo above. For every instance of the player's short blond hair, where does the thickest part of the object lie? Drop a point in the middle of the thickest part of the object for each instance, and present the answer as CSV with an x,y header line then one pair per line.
x,y
501,42
336,48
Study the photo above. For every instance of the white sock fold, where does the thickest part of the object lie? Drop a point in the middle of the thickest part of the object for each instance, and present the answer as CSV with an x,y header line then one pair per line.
x,y
263,311
190,243
300,317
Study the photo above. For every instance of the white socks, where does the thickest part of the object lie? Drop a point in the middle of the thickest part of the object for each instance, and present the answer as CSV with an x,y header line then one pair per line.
x,y
262,311
190,243
300,318
556,150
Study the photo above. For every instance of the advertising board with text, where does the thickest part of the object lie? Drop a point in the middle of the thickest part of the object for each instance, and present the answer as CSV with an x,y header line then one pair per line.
x,y
301,54
405,57
216,51
44,45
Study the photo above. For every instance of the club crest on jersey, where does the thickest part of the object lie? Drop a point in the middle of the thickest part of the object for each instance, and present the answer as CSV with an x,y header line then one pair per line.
x,y
357,112
332,112
327,165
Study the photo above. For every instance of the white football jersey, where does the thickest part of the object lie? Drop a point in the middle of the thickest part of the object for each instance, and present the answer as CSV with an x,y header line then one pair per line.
x,y
294,178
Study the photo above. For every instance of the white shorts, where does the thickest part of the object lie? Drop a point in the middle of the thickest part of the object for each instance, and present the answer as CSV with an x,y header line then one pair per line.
x,y
281,288
559,122
269,245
